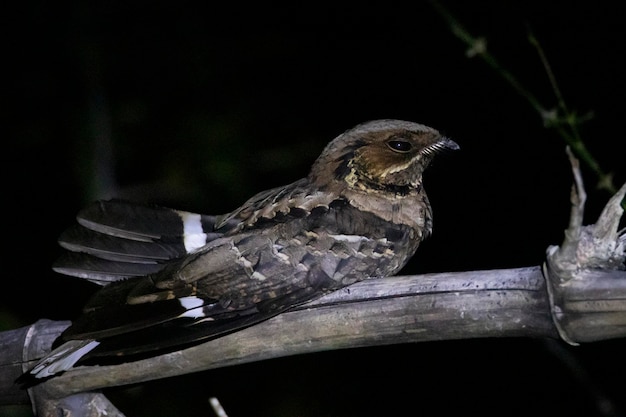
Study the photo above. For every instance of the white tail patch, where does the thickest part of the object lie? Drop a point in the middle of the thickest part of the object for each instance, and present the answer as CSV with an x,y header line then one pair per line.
x,y
63,358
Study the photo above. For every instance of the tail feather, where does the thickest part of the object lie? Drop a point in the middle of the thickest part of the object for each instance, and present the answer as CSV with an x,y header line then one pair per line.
x,y
80,239
138,221
117,239
56,362
102,271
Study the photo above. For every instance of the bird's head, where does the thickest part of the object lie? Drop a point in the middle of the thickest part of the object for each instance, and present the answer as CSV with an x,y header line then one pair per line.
x,y
380,155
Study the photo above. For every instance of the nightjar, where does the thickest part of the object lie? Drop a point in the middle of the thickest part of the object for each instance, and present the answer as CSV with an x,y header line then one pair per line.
x,y
172,278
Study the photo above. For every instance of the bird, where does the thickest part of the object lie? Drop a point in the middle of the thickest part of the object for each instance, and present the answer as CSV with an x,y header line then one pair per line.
x,y
172,278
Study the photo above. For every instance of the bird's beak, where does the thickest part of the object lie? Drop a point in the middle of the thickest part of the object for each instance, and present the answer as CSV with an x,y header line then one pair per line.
x,y
449,144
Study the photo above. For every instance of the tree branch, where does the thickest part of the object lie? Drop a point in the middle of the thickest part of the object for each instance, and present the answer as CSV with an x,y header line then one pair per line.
x,y
401,309
579,296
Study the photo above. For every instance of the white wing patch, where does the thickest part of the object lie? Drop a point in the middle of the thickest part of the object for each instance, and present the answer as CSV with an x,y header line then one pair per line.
x,y
194,307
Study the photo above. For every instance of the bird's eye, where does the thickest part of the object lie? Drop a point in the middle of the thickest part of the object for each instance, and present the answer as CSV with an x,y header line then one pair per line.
x,y
401,146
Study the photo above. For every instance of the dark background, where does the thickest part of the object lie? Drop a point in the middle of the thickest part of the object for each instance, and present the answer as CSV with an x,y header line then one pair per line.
x,y
199,106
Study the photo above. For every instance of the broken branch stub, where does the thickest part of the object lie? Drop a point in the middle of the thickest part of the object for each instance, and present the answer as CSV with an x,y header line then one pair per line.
x,y
586,277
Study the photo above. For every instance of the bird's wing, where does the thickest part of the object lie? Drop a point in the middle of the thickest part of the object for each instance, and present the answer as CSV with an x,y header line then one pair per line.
x,y
115,239
280,259
232,282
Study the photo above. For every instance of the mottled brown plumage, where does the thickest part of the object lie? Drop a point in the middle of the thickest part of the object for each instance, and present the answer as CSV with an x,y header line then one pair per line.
x,y
174,278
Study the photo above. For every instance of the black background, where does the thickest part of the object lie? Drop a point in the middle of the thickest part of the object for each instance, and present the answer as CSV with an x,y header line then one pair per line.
x,y
199,106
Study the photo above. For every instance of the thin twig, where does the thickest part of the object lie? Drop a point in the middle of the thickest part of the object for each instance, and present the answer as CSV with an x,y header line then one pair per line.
x,y
572,121
478,47
570,133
